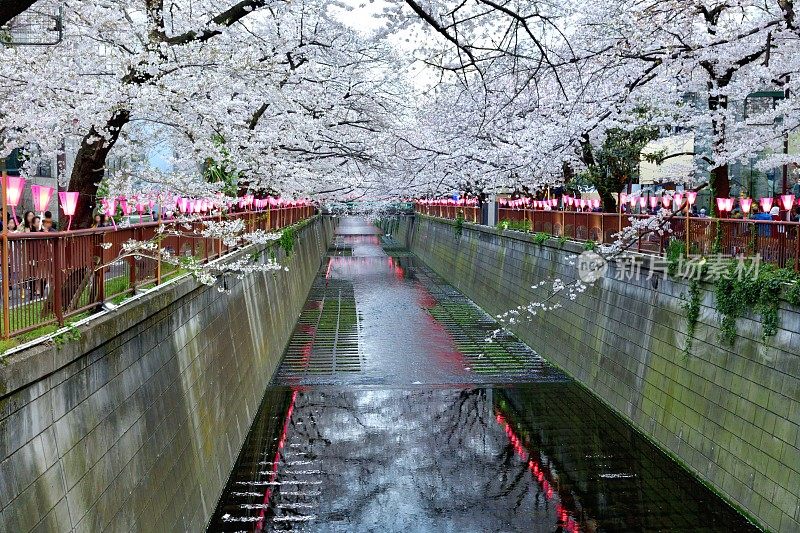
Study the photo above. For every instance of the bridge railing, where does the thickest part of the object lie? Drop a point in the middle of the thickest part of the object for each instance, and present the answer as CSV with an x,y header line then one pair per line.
x,y
776,241
54,276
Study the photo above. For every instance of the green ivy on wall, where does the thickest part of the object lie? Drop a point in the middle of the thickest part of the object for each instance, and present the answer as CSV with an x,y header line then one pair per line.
x,y
286,240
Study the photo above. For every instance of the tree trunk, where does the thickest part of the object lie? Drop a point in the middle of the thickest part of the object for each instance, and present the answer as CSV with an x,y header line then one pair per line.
x,y
608,199
90,163
720,182
719,176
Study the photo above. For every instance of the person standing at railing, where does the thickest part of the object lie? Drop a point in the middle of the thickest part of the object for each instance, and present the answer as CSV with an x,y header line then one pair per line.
x,y
23,257
99,221
763,229
27,222
49,222
12,222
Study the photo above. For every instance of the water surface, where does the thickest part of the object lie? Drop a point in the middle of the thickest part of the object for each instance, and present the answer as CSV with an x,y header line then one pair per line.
x,y
390,412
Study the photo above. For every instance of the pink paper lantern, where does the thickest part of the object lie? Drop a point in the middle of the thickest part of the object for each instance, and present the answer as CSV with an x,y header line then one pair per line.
x,y
766,203
41,196
666,200
14,187
623,198
724,205
110,209
596,203
787,201
691,197
553,202
642,201
653,202
69,202
746,204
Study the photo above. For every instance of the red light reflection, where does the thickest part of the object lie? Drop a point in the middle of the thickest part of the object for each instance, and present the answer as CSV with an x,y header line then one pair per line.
x,y
274,473
567,522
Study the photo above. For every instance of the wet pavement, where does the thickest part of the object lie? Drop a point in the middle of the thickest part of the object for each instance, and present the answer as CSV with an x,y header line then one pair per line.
x,y
390,412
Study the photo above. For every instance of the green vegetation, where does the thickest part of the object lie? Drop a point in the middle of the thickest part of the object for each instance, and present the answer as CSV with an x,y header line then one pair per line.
x,y
459,225
115,286
22,338
460,319
286,240
515,225
760,294
692,309
222,171
69,335
674,253
590,246
610,166
540,237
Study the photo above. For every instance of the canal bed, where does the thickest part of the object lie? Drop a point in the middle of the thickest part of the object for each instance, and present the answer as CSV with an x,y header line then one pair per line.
x,y
391,412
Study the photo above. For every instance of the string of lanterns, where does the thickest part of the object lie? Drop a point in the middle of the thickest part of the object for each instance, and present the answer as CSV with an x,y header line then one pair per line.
x,y
667,200
169,205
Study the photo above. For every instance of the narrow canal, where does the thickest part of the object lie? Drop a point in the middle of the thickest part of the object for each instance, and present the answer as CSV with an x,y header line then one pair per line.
x,y
390,413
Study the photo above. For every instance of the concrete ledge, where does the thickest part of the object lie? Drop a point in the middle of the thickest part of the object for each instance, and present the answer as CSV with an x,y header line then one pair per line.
x,y
136,425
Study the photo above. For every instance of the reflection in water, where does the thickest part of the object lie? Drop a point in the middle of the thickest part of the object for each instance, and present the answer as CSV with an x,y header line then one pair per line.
x,y
533,457
416,435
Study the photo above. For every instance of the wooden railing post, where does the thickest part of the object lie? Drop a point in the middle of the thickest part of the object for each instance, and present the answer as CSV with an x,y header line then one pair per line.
x,y
132,263
100,273
58,275
6,270
797,248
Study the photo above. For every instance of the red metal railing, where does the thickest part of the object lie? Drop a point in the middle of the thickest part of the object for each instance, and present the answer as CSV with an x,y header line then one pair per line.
x,y
775,241
53,276
470,213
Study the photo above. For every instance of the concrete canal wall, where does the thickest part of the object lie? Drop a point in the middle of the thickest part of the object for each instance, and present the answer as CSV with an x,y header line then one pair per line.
x,y
137,424
730,415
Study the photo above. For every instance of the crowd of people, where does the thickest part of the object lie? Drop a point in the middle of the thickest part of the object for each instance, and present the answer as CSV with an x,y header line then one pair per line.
x,y
31,223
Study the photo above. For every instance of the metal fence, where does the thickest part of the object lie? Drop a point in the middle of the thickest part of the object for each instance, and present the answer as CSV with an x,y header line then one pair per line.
x,y
470,213
776,242
53,276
